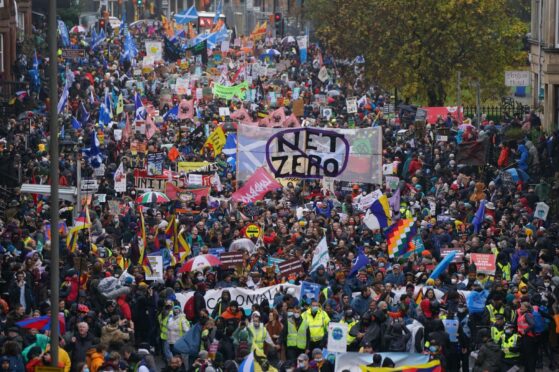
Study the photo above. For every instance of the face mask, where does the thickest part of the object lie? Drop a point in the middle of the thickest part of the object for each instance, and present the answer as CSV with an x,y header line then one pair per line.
x,y
454,281
291,281
296,315
433,349
314,309
290,314
461,309
508,331
547,284
318,360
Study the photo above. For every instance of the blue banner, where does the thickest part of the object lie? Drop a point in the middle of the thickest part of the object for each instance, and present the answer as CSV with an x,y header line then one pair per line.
x,y
309,291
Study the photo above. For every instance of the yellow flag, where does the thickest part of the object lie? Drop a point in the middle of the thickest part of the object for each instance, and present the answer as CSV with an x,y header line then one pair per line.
x,y
215,141
120,105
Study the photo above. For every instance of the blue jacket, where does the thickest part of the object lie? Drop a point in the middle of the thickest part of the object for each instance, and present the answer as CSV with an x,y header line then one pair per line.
x,y
190,342
360,304
523,161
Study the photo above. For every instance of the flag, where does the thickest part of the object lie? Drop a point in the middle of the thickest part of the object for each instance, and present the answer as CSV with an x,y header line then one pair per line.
x,y
109,104
141,112
218,11
230,148
63,100
419,297
167,27
172,51
432,366
143,257
191,31
91,98
63,32
247,365
93,153
187,16
216,141
200,48
127,132
394,201
320,255
104,115
472,153
172,114
83,114
34,72
82,222
359,262
120,105
479,216
97,40
399,236
62,132
378,215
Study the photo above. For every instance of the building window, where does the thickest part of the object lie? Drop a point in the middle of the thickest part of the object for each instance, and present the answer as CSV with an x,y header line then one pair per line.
x,y
535,20
1,52
1,3
20,26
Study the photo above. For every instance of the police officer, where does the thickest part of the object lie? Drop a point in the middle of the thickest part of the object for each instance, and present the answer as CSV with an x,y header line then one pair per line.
x,y
350,320
498,329
317,321
497,307
510,346
295,333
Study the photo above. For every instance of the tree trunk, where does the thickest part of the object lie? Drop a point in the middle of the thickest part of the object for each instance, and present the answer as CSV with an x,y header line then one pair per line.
x,y
436,94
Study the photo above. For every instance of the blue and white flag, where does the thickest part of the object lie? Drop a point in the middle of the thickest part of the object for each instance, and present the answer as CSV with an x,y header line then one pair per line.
x,y
63,100
230,147
320,255
247,365
359,262
83,114
218,11
104,115
172,114
217,37
64,35
141,112
34,72
75,123
479,216
93,153
62,132
189,15
309,291
99,39
109,104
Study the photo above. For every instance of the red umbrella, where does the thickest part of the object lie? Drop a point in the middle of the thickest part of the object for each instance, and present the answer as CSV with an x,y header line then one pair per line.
x,y
200,262
43,323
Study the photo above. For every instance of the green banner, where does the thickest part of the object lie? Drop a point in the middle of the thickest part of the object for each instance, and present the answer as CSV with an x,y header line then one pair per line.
x,y
223,91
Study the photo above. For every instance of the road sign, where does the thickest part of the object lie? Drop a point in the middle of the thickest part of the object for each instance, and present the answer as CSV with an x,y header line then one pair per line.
x,y
517,78
253,231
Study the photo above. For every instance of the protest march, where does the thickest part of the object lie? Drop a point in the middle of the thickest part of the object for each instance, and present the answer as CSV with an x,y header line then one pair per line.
x,y
231,202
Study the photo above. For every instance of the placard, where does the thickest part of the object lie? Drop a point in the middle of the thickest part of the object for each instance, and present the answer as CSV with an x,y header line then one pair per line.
x,y
195,179
309,291
181,86
231,259
298,107
351,105
155,164
156,267
292,266
458,258
273,261
224,111
485,263
154,50
392,182
541,211
337,337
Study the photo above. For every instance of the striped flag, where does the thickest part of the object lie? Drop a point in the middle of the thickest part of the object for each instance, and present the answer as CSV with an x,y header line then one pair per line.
x,y
399,236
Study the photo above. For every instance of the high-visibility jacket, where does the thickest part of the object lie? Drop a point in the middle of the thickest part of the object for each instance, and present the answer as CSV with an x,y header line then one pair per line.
x,y
522,325
163,322
507,344
258,336
350,339
502,311
318,324
505,270
297,337
497,334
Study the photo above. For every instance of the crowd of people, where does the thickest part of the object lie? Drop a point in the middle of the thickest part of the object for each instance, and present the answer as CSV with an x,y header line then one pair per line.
x,y
390,304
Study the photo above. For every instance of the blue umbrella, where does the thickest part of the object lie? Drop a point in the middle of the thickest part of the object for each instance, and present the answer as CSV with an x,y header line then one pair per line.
x,y
442,265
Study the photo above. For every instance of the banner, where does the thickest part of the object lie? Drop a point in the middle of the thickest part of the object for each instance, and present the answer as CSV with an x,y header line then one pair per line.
x,y
231,259
186,195
155,163
292,266
309,291
196,166
154,49
120,179
256,187
485,263
155,183
216,141
156,266
352,155
337,337
248,297
432,366
228,92
353,361
472,153
364,202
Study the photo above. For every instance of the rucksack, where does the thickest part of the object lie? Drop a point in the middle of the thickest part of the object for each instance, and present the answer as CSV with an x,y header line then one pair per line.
x,y
540,324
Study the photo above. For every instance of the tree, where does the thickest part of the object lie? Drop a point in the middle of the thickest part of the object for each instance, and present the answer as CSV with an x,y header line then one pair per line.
x,y
419,45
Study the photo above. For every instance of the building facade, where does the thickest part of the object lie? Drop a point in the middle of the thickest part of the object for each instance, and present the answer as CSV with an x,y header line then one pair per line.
x,y
15,24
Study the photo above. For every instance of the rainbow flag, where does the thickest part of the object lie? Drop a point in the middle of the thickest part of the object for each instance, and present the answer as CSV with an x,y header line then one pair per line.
x,y
432,366
399,236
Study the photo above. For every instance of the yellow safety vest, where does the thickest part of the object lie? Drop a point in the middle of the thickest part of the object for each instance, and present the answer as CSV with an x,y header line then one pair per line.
x,y
507,344
297,337
163,322
492,312
350,338
505,270
497,335
317,324
258,336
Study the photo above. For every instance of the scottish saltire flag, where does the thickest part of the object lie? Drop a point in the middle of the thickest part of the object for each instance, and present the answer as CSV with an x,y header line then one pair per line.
x,y
479,216
217,37
93,153
359,262
63,100
75,123
99,39
109,104
378,215
62,132
247,365
230,148
104,115
64,35
188,15
399,236
218,11
83,114
34,72
141,112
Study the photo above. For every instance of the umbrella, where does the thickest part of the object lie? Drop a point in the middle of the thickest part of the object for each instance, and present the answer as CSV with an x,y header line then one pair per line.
x,y
518,174
153,197
200,262
243,243
78,30
288,39
25,115
42,323
442,265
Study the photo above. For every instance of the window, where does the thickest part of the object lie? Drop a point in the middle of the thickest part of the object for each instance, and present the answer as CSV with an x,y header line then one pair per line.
x,y
1,52
535,20
20,26
1,3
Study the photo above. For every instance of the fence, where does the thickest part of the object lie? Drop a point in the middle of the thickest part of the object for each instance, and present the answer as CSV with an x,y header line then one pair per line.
x,y
497,113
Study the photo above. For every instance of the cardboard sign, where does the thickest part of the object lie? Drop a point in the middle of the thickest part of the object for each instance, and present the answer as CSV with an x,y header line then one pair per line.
x,y
298,107
73,53
351,105
485,263
337,337
392,182
253,231
231,259
292,266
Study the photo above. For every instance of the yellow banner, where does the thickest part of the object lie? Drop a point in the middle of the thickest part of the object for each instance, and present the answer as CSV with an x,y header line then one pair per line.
x,y
215,141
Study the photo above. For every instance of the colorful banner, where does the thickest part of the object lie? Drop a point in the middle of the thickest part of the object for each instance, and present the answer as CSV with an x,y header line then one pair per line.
x,y
228,92
256,187
196,166
353,361
433,366
216,141
311,153
485,263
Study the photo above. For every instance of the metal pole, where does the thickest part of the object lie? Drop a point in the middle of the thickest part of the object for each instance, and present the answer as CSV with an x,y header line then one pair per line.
x,y
540,30
478,103
54,200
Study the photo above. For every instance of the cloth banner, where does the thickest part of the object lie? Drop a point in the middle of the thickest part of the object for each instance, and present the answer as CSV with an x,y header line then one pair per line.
x,y
248,297
310,153
228,92
256,187
353,361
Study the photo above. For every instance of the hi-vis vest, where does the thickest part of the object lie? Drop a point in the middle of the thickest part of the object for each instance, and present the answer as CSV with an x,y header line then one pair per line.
x,y
507,344
317,324
297,337
258,336
505,270
522,325
497,335
493,312
163,322
350,339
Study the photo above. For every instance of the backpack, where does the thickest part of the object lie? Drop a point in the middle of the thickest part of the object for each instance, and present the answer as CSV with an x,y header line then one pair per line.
x,y
189,310
540,325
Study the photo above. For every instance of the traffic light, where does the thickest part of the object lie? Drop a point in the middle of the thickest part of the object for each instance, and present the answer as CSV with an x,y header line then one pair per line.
x,y
278,23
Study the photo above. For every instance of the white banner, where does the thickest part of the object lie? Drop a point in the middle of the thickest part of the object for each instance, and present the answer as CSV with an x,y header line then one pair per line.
x,y
337,337
247,297
154,49
364,202
320,255
120,179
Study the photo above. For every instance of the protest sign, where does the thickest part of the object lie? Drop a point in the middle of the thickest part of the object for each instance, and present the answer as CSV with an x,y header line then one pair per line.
x,y
231,259
458,258
392,182
337,337
351,105
485,263
541,211
196,166
364,202
154,50
273,261
253,231
247,297
155,163
256,187
292,266
156,268
309,291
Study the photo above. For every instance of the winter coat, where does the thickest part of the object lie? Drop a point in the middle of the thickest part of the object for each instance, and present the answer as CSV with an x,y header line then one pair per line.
x,y
489,358
80,347
111,333
361,304
94,360
524,156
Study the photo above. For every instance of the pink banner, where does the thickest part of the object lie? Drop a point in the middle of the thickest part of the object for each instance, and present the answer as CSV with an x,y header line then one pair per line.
x,y
260,183
277,118
242,116
186,109
433,113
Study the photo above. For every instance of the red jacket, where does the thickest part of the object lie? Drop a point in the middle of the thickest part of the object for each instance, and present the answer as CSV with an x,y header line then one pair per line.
x,y
124,307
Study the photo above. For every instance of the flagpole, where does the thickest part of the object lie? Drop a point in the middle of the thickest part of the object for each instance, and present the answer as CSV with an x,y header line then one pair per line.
x,y
54,181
